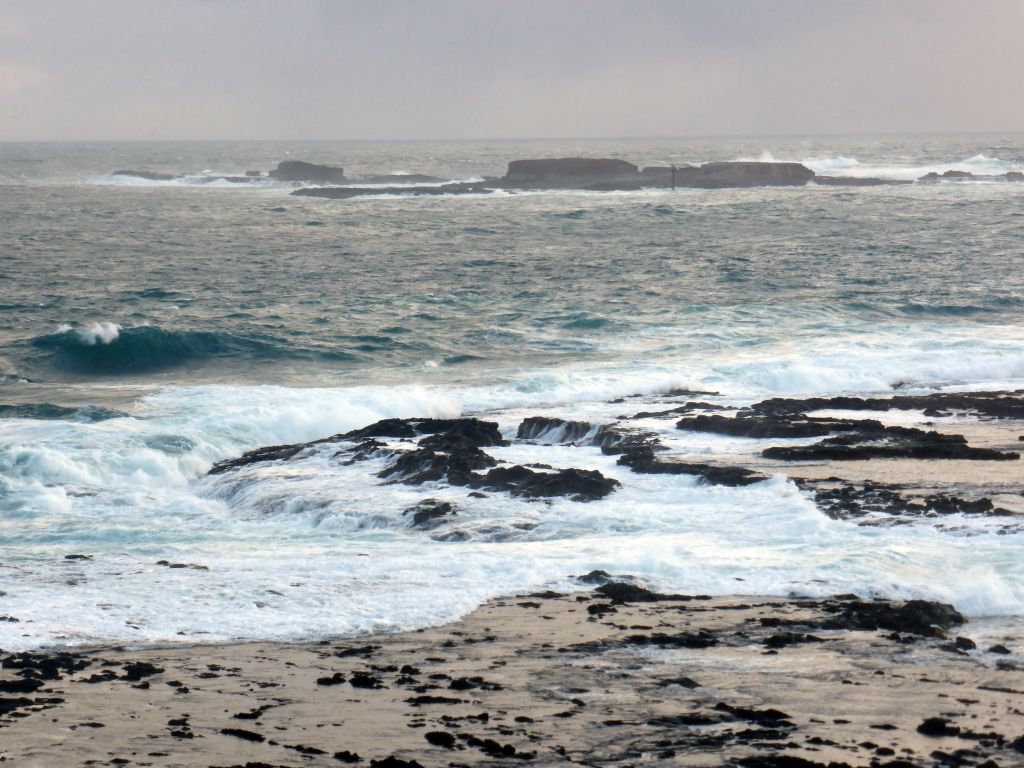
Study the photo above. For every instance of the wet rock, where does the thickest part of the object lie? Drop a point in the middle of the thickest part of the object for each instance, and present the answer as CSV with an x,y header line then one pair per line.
x,y
771,717
137,670
918,617
997,404
242,733
552,430
429,512
937,726
622,592
594,577
78,557
643,460
186,566
699,639
888,443
440,739
394,762
345,756
268,453
577,484
749,425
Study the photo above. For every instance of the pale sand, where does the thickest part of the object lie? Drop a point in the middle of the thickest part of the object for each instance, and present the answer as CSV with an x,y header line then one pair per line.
x,y
597,704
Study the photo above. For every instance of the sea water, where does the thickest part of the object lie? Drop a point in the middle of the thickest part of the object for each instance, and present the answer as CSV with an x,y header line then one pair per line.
x,y
150,329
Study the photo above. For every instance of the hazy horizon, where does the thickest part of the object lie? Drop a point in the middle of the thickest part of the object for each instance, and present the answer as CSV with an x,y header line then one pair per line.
x,y
225,70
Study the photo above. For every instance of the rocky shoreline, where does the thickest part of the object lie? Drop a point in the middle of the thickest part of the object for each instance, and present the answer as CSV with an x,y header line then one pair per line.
x,y
617,676
565,173
612,674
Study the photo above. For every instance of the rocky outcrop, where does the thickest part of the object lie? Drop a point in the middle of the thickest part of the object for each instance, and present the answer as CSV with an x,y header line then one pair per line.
x,y
297,170
148,175
744,174
567,173
936,178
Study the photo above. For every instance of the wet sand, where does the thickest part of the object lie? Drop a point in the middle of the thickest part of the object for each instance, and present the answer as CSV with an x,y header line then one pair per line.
x,y
545,680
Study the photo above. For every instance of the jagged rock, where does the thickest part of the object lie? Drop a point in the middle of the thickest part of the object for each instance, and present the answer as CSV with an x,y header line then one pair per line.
x,y
918,617
267,453
577,484
297,170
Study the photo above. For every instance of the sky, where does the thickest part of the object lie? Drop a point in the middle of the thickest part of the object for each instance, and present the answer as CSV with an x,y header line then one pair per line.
x,y
464,69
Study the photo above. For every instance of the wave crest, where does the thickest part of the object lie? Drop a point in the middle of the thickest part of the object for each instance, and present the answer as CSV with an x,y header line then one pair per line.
x,y
108,348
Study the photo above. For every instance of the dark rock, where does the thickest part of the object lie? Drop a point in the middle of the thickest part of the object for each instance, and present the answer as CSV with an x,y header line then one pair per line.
x,y
268,453
700,639
918,617
594,577
394,762
365,680
762,426
643,460
552,430
965,644
566,172
336,679
1001,649
784,639
78,557
440,739
25,685
621,592
577,484
241,733
428,511
137,670
347,757
771,717
888,443
744,174
297,170
937,726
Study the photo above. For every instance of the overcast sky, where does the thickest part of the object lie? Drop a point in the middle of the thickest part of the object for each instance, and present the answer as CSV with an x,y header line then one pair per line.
x,y
366,69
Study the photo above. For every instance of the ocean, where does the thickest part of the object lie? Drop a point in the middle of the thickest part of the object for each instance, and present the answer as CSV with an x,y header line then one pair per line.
x,y
151,328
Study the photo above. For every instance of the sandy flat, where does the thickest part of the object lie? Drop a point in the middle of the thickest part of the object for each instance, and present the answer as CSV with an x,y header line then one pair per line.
x,y
545,680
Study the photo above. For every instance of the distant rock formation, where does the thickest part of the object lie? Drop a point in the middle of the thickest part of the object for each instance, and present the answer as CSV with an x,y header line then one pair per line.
x,y
297,170
936,178
744,174
567,173
149,175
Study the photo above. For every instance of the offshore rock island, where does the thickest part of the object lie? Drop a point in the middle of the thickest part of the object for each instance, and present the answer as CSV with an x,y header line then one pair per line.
x,y
569,173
